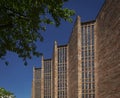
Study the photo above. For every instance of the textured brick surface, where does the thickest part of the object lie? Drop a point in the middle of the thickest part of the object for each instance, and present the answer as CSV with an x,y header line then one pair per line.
x,y
74,57
42,78
108,50
55,71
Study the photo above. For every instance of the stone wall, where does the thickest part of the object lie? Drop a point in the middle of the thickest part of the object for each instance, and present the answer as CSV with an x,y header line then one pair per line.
x,y
108,50
42,78
73,61
55,71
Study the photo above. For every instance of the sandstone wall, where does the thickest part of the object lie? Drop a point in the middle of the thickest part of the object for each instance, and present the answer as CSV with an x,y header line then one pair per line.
x,y
73,61
108,50
55,71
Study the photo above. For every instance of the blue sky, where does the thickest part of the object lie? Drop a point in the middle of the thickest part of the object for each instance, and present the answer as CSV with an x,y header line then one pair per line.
x,y
16,77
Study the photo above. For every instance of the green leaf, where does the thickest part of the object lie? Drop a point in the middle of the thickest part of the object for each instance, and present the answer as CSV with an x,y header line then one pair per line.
x,y
21,20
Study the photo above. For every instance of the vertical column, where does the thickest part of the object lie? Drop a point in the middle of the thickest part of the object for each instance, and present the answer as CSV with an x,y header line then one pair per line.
x,y
51,78
42,79
79,56
95,61
75,61
33,84
55,70
67,72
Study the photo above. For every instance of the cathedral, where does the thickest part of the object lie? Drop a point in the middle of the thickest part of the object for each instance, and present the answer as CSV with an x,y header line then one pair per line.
x,y
83,68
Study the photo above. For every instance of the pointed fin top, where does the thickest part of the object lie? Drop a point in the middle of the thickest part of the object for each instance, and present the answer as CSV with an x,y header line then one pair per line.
x,y
78,19
42,57
55,42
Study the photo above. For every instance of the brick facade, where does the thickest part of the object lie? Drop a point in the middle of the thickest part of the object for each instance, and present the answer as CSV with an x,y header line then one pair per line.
x,y
75,71
108,50
74,61
68,68
55,72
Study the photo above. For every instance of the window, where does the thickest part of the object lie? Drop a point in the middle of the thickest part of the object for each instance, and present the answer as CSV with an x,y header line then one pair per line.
x,y
92,34
88,35
82,85
82,95
87,55
62,75
83,54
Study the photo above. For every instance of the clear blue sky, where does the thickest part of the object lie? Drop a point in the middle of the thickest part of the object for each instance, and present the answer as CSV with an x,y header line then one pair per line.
x,y
16,77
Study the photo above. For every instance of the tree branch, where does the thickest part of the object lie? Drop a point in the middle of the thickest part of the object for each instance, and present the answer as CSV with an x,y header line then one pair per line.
x,y
4,26
16,13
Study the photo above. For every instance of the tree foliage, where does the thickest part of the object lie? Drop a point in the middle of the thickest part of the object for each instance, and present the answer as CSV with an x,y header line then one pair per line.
x,y
6,94
22,20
